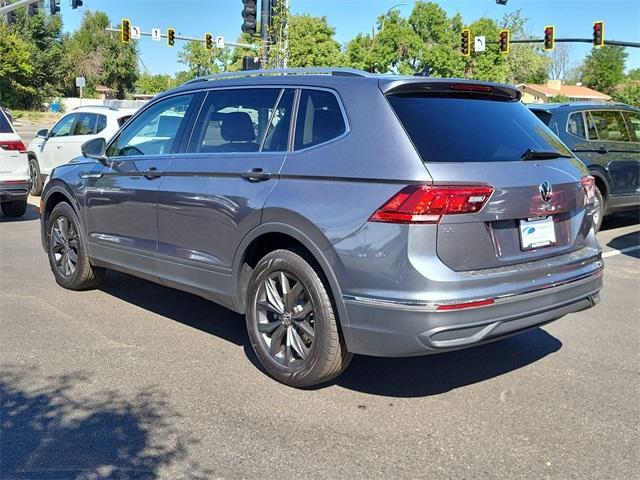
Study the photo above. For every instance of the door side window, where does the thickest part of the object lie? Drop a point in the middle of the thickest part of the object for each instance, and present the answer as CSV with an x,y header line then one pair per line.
x,y
319,119
234,120
101,123
633,121
155,131
575,125
277,137
611,126
63,127
85,124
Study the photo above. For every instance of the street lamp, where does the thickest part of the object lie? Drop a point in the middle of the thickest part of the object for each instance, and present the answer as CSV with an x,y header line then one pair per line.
x,y
389,11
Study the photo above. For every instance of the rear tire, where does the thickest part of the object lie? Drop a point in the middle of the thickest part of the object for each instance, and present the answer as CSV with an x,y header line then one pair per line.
x,y
14,208
67,249
35,176
599,210
291,322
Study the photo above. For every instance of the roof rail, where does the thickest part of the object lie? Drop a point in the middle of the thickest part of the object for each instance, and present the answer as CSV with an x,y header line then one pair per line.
x,y
338,72
110,107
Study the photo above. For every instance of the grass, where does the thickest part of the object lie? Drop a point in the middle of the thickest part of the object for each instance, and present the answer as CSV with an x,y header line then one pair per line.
x,y
35,116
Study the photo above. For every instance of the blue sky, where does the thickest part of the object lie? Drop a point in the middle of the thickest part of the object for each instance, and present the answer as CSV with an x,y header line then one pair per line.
x,y
572,18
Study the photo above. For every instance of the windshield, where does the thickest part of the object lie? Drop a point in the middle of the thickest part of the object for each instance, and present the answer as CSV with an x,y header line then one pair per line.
x,y
453,129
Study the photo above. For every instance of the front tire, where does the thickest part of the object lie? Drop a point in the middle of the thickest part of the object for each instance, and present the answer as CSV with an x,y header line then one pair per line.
x,y
67,249
291,322
35,176
14,208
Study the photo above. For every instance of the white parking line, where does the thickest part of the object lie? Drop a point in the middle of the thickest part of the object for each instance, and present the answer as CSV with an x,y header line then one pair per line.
x,y
618,252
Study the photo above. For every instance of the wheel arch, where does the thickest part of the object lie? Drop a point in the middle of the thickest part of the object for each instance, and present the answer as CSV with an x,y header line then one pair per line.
x,y
54,195
271,236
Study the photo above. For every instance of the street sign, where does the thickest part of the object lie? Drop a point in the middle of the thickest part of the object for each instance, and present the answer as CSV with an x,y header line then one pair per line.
x,y
156,34
220,42
135,32
480,43
80,81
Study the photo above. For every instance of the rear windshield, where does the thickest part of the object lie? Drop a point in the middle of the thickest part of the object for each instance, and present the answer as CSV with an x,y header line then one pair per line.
x,y
5,126
453,129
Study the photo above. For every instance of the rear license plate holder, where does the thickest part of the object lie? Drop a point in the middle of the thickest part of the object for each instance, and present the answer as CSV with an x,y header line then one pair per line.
x,y
537,233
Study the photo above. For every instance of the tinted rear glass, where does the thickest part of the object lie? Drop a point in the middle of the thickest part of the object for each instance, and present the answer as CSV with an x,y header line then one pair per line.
x,y
452,129
544,116
5,126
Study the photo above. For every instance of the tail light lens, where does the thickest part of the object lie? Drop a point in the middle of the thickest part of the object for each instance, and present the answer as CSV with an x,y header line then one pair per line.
x,y
428,204
589,186
13,145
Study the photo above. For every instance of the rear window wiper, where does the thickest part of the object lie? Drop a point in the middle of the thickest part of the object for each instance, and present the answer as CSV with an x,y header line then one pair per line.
x,y
531,154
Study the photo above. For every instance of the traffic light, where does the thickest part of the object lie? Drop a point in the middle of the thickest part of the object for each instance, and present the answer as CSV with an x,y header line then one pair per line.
x,y
54,6
125,30
208,41
465,42
505,38
33,9
171,37
249,13
76,3
598,34
549,37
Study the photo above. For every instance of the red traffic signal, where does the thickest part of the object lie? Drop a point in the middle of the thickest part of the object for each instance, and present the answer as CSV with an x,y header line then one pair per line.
x,y
598,34
549,37
465,42
505,39
125,30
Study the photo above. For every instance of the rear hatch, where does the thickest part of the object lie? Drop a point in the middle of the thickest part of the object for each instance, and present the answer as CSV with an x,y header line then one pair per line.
x,y
12,150
481,135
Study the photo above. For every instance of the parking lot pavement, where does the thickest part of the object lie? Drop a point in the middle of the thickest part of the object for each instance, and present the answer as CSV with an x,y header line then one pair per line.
x,y
135,380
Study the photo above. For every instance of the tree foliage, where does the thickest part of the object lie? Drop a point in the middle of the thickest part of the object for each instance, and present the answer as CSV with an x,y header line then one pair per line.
x,y
604,68
16,67
311,42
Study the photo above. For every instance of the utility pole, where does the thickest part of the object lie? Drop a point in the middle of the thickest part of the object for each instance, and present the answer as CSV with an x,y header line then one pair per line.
x,y
265,21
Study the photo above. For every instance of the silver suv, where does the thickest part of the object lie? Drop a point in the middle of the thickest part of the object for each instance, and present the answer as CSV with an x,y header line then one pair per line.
x,y
340,212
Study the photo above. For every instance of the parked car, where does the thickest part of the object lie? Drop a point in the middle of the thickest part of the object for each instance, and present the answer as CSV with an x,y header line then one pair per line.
x,y
14,170
340,212
62,143
606,137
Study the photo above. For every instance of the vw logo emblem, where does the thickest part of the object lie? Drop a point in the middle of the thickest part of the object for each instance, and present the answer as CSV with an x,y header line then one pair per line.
x,y
546,191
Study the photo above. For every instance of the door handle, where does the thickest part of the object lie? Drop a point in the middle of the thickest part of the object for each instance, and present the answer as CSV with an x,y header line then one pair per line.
x,y
152,173
255,175
58,147
601,150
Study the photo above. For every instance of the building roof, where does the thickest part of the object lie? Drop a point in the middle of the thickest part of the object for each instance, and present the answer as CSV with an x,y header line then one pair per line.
x,y
571,91
102,88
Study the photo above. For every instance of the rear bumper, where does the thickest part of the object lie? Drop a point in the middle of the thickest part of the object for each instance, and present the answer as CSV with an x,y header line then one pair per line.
x,y
379,327
14,191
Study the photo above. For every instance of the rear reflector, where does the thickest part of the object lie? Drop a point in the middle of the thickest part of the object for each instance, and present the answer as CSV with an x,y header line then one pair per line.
x,y
428,204
589,186
460,306
13,145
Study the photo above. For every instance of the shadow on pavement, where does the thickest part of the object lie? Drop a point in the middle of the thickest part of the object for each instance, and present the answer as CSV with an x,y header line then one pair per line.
x,y
625,241
623,219
395,377
50,430
32,213
435,374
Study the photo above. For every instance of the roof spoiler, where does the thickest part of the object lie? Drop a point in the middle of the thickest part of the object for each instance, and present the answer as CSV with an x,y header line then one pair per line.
x,y
453,86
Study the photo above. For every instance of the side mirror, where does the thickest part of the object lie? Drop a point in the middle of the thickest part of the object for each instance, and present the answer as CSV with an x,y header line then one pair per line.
x,y
95,149
44,133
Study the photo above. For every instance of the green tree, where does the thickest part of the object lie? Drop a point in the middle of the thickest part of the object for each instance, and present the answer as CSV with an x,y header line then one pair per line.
x,y
489,65
312,43
358,53
603,68
200,61
152,84
525,63
629,94
100,57
16,68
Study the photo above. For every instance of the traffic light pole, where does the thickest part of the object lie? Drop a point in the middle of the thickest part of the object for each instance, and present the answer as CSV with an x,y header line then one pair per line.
x,y
265,21
16,6
189,39
573,40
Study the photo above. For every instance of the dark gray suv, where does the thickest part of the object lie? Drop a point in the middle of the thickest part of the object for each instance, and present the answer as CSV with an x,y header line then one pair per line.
x,y
341,212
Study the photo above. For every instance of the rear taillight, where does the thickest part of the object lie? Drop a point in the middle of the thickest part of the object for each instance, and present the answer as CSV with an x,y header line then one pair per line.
x,y
428,204
589,186
13,145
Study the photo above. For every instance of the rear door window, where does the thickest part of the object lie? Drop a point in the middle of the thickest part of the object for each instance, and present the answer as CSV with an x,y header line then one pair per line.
x,y
101,123
85,124
454,129
633,121
319,119
610,125
575,125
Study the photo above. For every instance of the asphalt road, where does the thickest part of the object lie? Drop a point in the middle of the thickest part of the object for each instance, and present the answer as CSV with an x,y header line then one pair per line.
x,y
135,380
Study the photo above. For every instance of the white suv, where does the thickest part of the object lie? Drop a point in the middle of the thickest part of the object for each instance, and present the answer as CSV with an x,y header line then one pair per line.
x,y
14,170
62,143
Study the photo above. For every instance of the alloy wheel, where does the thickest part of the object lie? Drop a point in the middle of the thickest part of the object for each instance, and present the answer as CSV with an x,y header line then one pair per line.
x,y
33,177
64,246
285,316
